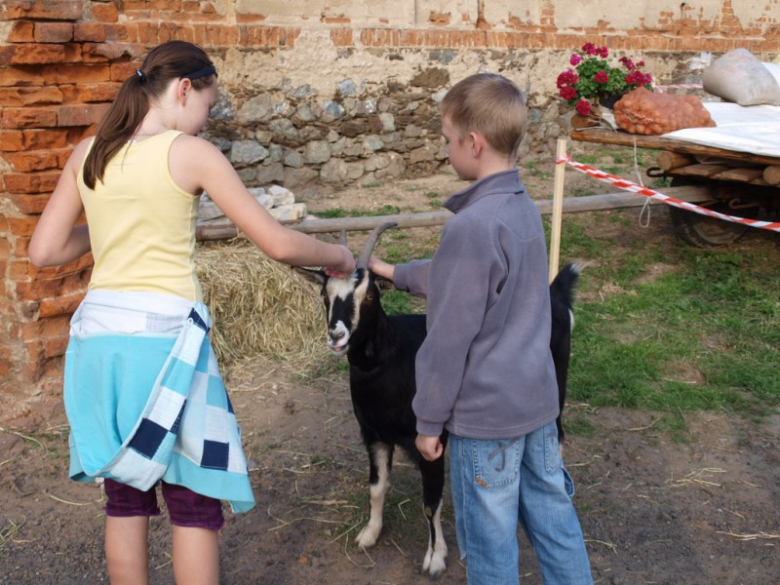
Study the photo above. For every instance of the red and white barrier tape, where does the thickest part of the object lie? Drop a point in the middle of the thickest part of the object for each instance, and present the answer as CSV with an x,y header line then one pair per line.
x,y
622,183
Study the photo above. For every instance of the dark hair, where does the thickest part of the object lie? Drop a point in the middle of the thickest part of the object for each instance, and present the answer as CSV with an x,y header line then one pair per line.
x,y
171,60
490,104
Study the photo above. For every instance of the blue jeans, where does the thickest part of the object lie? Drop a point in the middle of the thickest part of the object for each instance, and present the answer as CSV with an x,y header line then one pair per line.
x,y
498,483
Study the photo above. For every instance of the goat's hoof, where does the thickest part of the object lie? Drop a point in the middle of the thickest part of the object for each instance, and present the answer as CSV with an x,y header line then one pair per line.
x,y
434,564
367,537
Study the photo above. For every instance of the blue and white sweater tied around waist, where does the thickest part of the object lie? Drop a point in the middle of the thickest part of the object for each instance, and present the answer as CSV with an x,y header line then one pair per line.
x,y
145,398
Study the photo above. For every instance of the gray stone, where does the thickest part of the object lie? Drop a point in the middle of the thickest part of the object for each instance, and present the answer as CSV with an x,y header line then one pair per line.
x,y
247,152
317,151
413,131
282,195
347,87
285,128
376,162
332,111
422,154
296,177
367,107
223,109
395,167
334,171
247,174
305,114
388,121
275,153
256,109
264,137
301,92
373,142
294,159
332,136
293,212
270,173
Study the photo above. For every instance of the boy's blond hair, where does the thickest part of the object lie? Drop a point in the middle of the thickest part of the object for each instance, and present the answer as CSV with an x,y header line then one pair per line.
x,y
490,104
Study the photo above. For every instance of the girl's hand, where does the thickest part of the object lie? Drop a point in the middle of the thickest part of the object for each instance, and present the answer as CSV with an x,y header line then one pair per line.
x,y
345,268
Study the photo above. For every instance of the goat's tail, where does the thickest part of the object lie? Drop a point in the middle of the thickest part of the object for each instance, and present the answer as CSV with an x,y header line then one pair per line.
x,y
562,287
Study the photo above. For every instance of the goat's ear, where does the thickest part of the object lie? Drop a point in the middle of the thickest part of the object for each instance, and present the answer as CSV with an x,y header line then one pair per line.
x,y
318,277
383,284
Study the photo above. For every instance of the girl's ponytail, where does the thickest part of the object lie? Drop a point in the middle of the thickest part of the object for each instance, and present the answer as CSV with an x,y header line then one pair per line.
x,y
169,61
116,128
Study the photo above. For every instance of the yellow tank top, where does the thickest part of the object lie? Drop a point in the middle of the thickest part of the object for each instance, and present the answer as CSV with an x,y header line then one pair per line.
x,y
141,224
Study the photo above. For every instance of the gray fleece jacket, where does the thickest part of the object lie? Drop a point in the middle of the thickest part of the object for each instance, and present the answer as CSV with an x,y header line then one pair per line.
x,y
485,370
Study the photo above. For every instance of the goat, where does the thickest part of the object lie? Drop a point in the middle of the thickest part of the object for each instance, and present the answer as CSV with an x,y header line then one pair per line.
x,y
381,351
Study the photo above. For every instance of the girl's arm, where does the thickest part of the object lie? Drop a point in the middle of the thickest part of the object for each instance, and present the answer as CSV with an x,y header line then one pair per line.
x,y
57,239
197,164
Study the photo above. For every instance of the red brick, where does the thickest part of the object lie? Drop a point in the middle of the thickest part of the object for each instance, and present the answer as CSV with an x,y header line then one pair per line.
x,y
98,92
111,51
12,77
22,31
62,305
105,12
74,73
29,204
38,160
30,96
16,140
42,9
89,31
53,32
32,54
55,346
121,71
28,118
31,182
81,115
341,37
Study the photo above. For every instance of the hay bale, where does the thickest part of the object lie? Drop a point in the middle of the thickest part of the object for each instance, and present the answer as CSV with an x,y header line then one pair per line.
x,y
258,306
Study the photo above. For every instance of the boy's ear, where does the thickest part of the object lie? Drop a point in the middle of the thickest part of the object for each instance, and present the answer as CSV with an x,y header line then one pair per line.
x,y
477,143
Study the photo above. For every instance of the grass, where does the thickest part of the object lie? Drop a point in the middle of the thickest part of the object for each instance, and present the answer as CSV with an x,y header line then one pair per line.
x,y
702,335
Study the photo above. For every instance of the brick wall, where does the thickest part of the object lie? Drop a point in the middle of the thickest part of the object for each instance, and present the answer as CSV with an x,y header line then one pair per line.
x,y
309,95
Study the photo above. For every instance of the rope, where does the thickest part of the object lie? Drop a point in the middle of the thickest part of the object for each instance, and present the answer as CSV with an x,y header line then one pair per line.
x,y
626,185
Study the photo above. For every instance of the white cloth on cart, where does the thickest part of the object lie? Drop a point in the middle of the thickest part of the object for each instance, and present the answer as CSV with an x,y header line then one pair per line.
x,y
753,129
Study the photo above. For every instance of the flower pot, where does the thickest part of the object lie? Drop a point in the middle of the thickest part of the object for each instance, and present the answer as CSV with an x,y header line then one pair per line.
x,y
578,121
609,100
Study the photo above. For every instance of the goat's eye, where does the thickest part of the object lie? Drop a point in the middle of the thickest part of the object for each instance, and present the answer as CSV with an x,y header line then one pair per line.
x,y
369,297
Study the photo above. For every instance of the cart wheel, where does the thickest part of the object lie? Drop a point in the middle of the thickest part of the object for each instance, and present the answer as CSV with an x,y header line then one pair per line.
x,y
704,231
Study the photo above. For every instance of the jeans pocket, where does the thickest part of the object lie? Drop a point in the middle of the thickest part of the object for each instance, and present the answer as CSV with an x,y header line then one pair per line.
x,y
496,462
552,451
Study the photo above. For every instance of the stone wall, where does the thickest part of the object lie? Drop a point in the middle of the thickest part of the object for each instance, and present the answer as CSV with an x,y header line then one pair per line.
x,y
314,94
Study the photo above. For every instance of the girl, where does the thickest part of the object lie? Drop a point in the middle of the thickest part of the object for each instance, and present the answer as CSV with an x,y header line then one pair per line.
x,y
142,391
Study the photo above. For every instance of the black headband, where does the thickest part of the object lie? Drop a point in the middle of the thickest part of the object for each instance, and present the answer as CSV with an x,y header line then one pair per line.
x,y
210,70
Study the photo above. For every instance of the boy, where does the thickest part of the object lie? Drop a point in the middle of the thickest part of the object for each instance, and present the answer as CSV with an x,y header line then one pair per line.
x,y
485,371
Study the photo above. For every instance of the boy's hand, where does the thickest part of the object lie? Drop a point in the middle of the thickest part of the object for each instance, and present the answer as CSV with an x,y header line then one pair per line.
x,y
429,447
381,268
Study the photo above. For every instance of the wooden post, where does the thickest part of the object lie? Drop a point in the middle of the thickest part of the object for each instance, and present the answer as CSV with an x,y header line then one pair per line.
x,y
557,210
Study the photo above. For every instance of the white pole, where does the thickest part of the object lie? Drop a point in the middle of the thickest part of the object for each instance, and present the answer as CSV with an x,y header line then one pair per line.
x,y
557,209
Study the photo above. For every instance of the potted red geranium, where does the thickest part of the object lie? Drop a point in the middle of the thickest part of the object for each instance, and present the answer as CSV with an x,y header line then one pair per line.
x,y
593,79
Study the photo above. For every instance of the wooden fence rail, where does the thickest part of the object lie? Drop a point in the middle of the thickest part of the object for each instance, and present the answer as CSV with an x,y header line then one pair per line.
x,y
224,229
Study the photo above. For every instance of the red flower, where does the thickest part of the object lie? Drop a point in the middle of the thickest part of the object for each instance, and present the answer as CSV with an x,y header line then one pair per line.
x,y
583,107
601,77
575,60
567,92
568,77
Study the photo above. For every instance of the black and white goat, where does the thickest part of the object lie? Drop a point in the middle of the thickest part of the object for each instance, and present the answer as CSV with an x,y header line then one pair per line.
x,y
381,350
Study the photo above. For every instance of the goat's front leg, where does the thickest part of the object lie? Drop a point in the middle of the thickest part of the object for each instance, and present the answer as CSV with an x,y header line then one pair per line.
x,y
380,459
433,487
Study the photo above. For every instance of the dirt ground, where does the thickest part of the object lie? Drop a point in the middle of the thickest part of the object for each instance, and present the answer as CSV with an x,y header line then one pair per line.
x,y
702,511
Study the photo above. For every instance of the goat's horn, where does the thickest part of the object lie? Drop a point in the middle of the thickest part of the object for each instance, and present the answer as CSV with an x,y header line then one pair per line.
x,y
368,247
343,238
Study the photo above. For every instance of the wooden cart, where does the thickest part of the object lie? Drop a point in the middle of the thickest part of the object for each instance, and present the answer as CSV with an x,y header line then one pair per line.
x,y
739,183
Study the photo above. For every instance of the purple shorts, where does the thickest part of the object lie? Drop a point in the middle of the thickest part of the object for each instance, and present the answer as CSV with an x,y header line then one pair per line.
x,y
185,507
